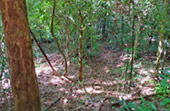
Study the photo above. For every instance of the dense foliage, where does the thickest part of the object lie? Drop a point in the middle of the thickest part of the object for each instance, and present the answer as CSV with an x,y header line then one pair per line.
x,y
139,27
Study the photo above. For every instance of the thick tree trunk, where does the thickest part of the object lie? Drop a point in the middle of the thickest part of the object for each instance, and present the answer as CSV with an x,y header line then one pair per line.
x,y
20,55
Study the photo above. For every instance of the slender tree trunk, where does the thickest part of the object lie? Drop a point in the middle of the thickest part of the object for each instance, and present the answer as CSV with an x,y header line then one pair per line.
x,y
136,39
165,52
151,37
104,27
81,31
81,56
161,36
133,41
68,41
159,54
122,30
164,57
58,45
19,48
116,31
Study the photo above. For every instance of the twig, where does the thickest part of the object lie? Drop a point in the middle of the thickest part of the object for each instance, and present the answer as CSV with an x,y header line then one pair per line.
x,y
51,105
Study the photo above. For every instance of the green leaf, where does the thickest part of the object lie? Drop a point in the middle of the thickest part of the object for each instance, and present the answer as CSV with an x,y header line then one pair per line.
x,y
6,75
153,106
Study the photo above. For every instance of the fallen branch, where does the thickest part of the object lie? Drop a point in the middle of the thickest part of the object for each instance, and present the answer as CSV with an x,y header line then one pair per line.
x,y
55,73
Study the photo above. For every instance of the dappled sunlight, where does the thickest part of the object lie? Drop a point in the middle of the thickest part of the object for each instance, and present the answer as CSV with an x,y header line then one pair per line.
x,y
79,91
120,64
151,70
92,80
96,82
147,90
105,83
125,96
111,93
94,90
59,65
90,55
5,83
45,70
65,101
89,90
62,89
70,76
123,57
145,79
168,71
57,81
109,83
102,79
143,71
106,69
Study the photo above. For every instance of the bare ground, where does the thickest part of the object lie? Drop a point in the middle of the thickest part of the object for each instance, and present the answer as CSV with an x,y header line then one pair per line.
x,y
105,82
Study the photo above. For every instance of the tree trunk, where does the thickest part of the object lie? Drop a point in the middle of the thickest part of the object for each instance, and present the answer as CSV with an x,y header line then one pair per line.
x,y
67,30
81,56
161,37
82,18
20,56
122,31
135,42
104,27
58,45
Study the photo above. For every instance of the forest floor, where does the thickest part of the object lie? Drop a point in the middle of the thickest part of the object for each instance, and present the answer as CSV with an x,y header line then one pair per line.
x,y
105,82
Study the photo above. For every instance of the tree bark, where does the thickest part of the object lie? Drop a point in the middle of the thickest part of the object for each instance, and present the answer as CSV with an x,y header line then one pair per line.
x,y
20,55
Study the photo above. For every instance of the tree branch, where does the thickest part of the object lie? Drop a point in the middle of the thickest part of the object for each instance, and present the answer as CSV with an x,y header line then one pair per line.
x,y
55,73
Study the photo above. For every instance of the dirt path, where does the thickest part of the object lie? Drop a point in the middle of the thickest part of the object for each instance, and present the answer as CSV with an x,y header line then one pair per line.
x,y
102,79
